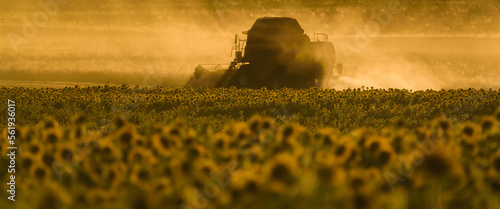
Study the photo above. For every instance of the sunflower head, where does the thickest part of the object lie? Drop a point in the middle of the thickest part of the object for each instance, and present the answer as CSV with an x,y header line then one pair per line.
x,y
50,123
439,163
401,143
470,130
267,123
399,122
140,175
359,181
79,120
203,169
125,136
220,142
46,158
53,196
67,154
373,145
40,172
289,132
164,145
115,176
162,187
141,141
330,175
245,186
444,124
141,156
120,121
497,115
108,152
488,124
325,137
196,151
35,148
495,162
26,162
51,137
282,168
422,133
255,124
385,156
343,150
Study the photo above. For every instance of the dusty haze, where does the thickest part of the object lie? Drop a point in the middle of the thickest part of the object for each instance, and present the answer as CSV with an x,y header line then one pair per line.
x,y
428,44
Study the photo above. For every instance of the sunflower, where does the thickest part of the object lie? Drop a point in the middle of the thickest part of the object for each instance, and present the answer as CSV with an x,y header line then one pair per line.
x,y
267,123
290,131
79,120
470,132
35,148
444,124
281,171
67,154
165,145
181,168
125,136
422,133
107,152
115,176
495,162
342,151
220,142
360,181
399,122
330,175
46,158
120,121
190,139
373,145
26,161
203,169
497,115
401,143
162,187
141,141
247,153
493,174
51,137
141,156
385,155
92,173
328,140
50,123
40,172
140,175
440,162
53,196
488,124
245,186
255,123
96,197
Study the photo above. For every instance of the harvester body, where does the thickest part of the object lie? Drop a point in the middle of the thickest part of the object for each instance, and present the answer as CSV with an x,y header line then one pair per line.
x,y
275,54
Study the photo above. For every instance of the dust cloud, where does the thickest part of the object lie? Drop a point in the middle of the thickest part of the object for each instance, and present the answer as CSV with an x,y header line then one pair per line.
x,y
428,45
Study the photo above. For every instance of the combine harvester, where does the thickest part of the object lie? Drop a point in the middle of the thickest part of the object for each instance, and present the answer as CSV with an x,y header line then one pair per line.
x,y
275,54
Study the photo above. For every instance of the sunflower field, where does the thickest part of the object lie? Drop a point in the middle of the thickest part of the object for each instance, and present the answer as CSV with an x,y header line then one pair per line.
x,y
123,147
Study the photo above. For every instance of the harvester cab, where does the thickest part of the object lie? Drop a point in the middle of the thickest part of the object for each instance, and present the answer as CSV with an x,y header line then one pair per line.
x,y
275,54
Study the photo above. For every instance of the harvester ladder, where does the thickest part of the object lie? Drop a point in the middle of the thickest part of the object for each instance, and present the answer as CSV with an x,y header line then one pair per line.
x,y
238,47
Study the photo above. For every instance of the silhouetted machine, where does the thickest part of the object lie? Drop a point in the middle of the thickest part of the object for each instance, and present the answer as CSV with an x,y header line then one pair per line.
x,y
275,54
